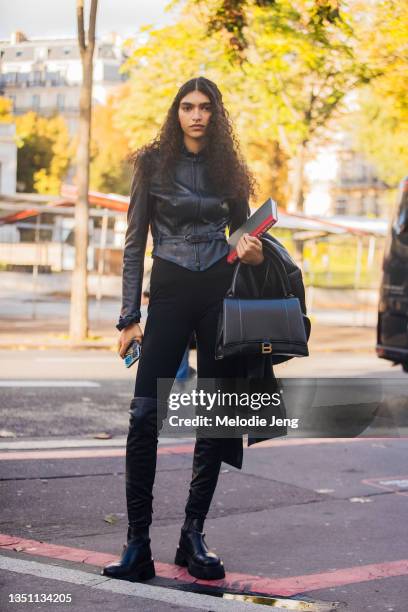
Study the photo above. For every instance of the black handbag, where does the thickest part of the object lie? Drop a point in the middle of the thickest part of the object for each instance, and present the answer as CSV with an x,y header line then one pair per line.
x,y
265,326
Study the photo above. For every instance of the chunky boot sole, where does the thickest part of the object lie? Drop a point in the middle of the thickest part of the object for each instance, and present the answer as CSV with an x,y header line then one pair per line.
x,y
214,572
143,572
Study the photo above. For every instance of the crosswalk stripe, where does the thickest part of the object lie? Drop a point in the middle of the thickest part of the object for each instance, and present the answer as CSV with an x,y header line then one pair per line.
x,y
49,383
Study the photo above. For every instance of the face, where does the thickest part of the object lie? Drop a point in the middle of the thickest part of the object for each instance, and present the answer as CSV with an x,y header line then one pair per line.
x,y
194,114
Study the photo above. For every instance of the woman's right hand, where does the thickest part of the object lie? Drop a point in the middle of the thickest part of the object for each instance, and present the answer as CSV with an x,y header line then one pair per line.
x,y
127,335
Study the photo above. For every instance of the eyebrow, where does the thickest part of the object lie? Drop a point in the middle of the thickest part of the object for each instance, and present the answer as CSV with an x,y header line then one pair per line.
x,y
191,104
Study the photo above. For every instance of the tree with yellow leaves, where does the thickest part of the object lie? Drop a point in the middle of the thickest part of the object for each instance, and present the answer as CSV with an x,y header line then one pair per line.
x,y
380,124
43,153
6,110
186,48
285,67
110,170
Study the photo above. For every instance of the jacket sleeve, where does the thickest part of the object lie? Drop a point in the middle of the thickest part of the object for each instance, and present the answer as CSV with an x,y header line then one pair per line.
x,y
138,219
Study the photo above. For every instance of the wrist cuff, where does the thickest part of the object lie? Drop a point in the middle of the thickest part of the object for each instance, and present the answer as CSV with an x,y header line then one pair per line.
x,y
128,320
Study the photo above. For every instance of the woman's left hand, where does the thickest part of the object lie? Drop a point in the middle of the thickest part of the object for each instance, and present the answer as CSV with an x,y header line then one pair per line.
x,y
249,250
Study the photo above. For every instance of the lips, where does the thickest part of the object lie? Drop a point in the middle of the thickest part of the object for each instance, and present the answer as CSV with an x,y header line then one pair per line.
x,y
197,127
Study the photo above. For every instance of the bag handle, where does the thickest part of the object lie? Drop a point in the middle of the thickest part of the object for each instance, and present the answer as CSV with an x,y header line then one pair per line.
x,y
281,270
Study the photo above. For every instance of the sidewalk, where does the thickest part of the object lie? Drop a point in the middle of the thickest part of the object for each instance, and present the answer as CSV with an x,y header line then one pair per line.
x,y
49,329
279,529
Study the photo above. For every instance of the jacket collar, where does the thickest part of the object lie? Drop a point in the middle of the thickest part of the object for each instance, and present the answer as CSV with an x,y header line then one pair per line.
x,y
186,153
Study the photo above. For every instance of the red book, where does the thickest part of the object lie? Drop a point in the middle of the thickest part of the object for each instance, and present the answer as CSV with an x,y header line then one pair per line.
x,y
256,225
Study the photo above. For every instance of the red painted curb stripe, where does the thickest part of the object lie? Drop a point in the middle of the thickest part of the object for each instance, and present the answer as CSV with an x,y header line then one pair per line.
x,y
54,551
313,441
291,585
167,450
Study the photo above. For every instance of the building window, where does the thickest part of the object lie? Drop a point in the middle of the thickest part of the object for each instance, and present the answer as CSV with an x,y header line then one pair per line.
x,y
40,53
36,77
35,102
60,101
340,206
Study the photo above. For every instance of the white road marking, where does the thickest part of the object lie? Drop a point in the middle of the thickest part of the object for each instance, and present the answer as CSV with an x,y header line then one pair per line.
x,y
48,383
84,443
401,484
78,359
155,593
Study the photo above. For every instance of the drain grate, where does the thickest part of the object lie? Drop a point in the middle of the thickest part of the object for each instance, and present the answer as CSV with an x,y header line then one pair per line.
x,y
299,604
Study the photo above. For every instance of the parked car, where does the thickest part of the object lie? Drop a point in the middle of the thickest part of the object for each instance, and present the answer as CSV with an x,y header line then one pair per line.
x,y
392,327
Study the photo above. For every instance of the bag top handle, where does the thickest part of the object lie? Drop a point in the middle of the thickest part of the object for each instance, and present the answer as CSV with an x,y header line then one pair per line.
x,y
280,268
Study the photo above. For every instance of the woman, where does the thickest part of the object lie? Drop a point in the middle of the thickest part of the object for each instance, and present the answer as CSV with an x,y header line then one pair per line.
x,y
189,184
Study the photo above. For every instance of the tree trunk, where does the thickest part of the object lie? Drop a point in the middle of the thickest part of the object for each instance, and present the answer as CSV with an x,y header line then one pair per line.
x,y
298,190
78,327
299,194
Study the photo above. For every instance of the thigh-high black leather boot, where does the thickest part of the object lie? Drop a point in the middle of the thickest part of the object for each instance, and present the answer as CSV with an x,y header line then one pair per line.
x,y
141,455
192,550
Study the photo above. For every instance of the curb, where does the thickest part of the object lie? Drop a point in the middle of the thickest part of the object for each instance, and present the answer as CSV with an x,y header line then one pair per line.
x,y
42,346
24,346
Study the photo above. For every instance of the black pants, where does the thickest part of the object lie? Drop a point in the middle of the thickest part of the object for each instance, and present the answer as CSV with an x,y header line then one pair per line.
x,y
181,301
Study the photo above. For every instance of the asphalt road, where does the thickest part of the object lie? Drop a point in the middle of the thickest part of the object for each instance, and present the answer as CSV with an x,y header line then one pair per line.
x,y
308,522
85,392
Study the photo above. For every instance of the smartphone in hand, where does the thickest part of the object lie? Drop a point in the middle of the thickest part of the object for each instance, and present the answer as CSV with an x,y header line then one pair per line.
x,y
132,353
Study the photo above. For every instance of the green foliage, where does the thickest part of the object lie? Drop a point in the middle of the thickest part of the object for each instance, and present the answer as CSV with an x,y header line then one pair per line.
x,y
43,153
306,60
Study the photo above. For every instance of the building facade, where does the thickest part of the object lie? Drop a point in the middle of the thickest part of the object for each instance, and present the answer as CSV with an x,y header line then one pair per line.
x,y
45,75
357,189
8,159
341,181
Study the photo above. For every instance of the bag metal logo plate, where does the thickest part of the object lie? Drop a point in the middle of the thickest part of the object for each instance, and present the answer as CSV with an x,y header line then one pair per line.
x,y
266,347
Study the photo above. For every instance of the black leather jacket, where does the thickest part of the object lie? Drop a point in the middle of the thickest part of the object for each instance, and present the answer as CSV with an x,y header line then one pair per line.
x,y
187,224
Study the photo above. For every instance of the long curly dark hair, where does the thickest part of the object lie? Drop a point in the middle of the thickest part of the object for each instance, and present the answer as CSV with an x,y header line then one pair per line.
x,y
226,167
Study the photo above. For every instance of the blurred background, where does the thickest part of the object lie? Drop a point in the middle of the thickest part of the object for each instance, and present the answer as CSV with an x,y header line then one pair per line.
x,y
317,90
318,95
